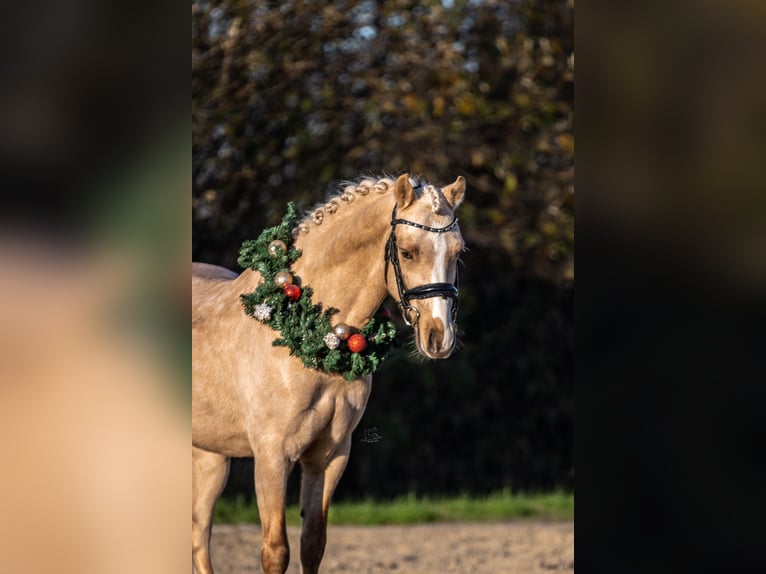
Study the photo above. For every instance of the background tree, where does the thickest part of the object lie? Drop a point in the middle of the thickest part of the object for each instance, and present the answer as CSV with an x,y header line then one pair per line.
x,y
289,98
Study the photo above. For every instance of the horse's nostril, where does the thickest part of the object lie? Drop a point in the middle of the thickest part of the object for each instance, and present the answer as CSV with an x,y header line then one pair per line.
x,y
434,342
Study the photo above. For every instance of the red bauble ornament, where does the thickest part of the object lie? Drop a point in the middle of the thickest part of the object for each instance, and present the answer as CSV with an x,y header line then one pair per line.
x,y
292,291
357,343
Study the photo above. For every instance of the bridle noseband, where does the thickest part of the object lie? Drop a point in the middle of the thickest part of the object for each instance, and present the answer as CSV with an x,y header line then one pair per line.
x,y
409,312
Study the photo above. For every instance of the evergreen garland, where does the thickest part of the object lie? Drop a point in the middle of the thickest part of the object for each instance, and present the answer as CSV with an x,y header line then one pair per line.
x,y
302,324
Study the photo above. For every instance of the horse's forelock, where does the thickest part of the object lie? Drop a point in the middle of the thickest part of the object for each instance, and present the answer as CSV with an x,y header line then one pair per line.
x,y
433,197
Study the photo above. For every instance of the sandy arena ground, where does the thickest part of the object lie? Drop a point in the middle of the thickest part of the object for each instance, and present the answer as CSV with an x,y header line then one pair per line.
x,y
524,547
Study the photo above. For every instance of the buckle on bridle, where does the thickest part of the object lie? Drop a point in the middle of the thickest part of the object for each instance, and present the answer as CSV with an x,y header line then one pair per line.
x,y
406,311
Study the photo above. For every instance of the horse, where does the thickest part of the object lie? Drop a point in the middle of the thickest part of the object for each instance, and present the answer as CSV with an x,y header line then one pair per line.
x,y
374,238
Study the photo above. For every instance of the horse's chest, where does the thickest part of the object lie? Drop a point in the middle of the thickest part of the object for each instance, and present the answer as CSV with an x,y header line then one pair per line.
x,y
349,408
330,420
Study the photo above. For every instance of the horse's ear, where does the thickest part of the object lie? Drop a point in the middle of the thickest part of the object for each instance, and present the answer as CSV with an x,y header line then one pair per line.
x,y
455,192
403,191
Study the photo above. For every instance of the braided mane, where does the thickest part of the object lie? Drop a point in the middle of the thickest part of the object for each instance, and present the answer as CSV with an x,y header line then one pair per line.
x,y
348,191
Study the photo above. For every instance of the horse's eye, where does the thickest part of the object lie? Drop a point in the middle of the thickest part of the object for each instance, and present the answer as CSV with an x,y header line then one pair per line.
x,y
406,254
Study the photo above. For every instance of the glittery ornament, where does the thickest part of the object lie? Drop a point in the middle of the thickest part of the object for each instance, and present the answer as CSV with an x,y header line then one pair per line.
x,y
283,278
293,292
342,331
262,312
357,343
277,247
331,340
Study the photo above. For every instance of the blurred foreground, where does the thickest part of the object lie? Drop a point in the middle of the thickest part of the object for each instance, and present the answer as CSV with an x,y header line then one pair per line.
x,y
94,352
93,419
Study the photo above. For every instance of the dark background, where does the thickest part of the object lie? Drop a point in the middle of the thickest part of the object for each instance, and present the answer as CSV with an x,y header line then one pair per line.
x,y
289,98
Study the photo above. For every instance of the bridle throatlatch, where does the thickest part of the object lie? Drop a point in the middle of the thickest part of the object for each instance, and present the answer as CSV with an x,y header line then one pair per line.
x,y
409,312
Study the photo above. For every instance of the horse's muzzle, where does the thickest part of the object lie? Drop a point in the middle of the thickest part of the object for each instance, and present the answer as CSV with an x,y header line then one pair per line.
x,y
435,340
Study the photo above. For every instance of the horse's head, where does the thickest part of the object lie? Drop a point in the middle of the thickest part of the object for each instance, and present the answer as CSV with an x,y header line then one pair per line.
x,y
423,250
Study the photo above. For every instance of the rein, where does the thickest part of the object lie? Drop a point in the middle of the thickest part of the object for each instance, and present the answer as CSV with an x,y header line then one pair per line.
x,y
410,313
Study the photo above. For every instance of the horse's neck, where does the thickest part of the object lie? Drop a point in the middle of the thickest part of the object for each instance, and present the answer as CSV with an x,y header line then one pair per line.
x,y
343,260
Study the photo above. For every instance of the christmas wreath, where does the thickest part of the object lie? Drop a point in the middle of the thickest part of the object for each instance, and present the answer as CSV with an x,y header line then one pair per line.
x,y
304,327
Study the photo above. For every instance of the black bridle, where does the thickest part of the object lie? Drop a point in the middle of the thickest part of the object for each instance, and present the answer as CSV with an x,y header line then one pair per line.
x,y
409,312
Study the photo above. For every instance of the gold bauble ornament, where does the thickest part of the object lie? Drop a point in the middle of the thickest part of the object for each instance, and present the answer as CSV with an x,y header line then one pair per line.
x,y
277,247
283,278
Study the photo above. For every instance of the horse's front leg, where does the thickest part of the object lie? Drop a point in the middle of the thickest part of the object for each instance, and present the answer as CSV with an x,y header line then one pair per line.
x,y
318,483
271,472
209,472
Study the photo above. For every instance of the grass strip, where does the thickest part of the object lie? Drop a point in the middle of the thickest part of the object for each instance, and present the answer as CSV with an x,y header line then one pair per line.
x,y
411,509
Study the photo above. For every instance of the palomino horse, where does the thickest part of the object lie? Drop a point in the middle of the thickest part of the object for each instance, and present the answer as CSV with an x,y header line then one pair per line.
x,y
253,399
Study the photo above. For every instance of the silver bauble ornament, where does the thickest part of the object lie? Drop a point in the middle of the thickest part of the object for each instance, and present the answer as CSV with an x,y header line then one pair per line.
x,y
342,331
